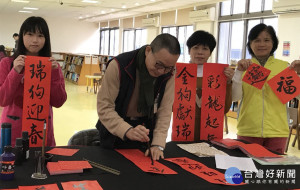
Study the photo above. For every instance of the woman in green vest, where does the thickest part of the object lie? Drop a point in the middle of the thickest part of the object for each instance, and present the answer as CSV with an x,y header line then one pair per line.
x,y
262,118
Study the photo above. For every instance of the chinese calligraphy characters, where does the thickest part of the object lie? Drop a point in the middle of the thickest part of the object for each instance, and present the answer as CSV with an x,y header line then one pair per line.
x,y
184,102
36,97
213,101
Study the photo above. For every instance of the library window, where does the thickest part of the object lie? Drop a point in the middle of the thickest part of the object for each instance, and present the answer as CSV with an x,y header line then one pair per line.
x,y
134,39
109,41
140,38
182,33
234,27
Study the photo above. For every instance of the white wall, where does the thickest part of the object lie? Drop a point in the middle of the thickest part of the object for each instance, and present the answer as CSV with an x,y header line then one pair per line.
x,y
69,36
288,30
208,26
152,32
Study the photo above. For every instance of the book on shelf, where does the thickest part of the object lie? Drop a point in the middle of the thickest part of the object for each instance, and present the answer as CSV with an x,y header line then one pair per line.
x,y
64,65
80,61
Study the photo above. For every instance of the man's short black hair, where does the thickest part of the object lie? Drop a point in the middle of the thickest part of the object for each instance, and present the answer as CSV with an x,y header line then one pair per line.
x,y
256,30
201,37
15,34
166,41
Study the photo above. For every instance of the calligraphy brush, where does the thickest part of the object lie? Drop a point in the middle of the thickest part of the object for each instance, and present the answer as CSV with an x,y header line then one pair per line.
x,y
152,163
148,143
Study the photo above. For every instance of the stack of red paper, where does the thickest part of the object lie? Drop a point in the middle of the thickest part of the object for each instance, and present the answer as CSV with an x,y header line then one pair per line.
x,y
67,167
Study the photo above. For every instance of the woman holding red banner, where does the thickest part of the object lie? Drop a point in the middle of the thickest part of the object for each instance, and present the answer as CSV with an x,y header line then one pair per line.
x,y
34,41
262,117
200,45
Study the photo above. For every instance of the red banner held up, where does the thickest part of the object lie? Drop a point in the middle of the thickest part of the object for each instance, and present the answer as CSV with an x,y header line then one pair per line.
x,y
37,79
184,102
286,85
213,101
256,75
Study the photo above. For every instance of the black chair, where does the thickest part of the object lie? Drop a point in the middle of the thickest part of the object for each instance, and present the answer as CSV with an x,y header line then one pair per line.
x,y
88,137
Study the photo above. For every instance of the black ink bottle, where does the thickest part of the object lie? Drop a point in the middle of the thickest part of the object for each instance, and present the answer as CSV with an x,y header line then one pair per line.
x,y
25,143
18,151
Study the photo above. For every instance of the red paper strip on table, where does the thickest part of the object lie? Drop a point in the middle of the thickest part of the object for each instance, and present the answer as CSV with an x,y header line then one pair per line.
x,y
63,151
213,101
144,163
252,149
37,78
201,170
256,75
184,102
87,185
44,187
286,85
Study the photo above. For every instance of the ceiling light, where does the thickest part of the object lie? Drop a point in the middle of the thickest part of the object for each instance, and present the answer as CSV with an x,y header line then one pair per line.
x,y
123,6
112,9
89,1
103,12
137,4
30,8
153,0
25,11
20,1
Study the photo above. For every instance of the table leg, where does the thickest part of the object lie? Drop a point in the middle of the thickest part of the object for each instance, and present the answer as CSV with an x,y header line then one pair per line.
x,y
87,84
91,85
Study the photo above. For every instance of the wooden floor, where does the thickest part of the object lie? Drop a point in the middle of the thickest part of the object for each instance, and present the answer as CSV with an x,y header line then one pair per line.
x,y
80,112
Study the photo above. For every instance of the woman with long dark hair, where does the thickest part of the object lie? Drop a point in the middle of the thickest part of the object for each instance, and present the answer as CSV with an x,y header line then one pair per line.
x,y
34,40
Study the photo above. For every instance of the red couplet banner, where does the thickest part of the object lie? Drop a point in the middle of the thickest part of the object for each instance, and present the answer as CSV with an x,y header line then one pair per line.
x,y
213,101
37,78
144,162
201,170
184,102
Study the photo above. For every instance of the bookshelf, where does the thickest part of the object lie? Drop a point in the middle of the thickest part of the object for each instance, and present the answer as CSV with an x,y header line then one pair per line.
x,y
76,66
71,67
60,57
